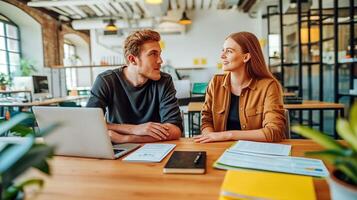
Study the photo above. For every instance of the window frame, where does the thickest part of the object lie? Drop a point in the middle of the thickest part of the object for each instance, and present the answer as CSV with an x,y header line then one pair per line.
x,y
6,38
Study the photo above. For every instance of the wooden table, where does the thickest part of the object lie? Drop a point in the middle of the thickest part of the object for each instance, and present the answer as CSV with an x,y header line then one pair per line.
x,y
9,92
42,103
309,105
81,178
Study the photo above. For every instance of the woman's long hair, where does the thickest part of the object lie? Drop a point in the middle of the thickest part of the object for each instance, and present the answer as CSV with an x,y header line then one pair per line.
x,y
255,67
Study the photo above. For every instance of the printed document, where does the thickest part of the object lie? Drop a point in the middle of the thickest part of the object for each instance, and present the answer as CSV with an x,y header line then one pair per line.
x,y
288,164
261,148
150,153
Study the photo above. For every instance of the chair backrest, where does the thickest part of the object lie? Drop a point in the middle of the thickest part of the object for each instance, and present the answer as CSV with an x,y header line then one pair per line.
x,y
183,123
183,88
199,88
287,124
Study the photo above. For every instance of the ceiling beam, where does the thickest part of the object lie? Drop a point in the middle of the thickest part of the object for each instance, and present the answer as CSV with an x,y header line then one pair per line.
x,y
128,8
120,9
198,4
78,11
110,8
71,2
96,10
173,4
214,4
59,11
64,3
104,9
189,4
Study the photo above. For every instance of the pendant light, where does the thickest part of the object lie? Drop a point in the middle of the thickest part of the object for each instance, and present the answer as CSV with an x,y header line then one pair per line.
x,y
111,26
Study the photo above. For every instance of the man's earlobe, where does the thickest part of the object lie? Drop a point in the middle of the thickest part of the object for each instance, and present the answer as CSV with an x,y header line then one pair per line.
x,y
131,59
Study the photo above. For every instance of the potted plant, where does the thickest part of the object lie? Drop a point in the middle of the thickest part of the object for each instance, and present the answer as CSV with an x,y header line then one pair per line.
x,y
27,67
19,155
343,179
4,80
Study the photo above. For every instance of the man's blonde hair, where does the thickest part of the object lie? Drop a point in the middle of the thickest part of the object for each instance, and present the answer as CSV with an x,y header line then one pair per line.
x,y
134,41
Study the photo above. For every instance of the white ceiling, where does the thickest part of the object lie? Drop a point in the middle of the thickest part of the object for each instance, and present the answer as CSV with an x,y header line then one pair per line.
x,y
129,9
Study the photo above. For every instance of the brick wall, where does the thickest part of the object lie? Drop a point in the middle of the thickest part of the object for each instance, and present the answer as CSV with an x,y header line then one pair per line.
x,y
52,34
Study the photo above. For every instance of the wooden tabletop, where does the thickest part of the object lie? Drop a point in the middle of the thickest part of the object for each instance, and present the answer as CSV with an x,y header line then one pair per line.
x,y
305,105
83,178
14,91
42,103
289,94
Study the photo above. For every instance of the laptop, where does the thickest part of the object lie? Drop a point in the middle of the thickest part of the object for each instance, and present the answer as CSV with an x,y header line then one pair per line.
x,y
83,132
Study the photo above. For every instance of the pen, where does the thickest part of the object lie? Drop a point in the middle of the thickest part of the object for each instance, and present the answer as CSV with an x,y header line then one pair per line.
x,y
197,158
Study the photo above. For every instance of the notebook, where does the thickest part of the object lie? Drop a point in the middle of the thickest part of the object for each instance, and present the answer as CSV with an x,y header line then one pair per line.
x,y
243,184
150,153
186,162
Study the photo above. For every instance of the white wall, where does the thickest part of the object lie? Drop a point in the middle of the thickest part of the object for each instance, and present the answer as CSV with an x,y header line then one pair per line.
x,y
203,39
31,33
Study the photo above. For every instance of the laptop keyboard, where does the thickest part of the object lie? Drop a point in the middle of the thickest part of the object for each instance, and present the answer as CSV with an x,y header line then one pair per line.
x,y
118,150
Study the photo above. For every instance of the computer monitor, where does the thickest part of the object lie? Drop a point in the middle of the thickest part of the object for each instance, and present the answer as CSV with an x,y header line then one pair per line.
x,y
40,87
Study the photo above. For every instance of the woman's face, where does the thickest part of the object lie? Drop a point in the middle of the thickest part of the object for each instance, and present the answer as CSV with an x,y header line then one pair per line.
x,y
232,56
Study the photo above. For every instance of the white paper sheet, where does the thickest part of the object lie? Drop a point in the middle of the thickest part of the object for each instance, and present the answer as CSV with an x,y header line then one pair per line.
x,y
150,153
261,148
287,164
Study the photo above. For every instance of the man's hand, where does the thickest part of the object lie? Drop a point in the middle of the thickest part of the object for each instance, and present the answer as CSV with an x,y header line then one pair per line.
x,y
212,137
117,137
155,130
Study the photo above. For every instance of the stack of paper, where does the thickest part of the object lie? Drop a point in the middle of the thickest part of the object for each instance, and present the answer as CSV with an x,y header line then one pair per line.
x,y
270,160
150,153
243,184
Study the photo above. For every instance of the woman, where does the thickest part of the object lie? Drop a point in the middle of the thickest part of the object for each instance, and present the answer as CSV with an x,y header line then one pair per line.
x,y
245,103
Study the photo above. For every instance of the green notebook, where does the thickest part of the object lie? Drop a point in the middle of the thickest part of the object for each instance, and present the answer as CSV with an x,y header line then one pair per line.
x,y
186,162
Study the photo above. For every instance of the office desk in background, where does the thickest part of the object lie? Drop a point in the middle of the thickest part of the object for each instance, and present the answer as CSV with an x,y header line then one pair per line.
x,y
44,102
82,178
309,105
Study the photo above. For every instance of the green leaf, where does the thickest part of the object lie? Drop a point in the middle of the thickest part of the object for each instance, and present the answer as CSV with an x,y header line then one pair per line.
x,y
12,191
318,137
353,118
13,152
344,160
22,131
6,126
33,157
43,166
345,131
348,170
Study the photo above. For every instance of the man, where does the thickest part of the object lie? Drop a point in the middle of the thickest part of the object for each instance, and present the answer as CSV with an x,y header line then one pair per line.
x,y
138,99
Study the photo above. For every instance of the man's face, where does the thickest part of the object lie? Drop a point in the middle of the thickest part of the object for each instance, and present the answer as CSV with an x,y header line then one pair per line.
x,y
149,61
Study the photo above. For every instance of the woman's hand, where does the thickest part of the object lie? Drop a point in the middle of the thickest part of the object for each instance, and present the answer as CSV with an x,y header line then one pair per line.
x,y
212,137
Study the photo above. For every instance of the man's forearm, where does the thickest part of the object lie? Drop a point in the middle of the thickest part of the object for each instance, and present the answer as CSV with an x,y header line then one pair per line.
x,y
121,128
174,131
117,137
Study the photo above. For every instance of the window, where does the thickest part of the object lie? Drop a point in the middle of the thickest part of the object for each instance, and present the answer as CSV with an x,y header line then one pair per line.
x,y
70,60
10,52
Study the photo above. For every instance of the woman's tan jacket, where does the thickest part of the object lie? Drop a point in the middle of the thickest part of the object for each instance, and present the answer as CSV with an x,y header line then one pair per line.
x,y
260,107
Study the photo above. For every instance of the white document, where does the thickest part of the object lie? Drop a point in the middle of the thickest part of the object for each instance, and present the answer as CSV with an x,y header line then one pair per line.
x,y
261,148
286,164
150,153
